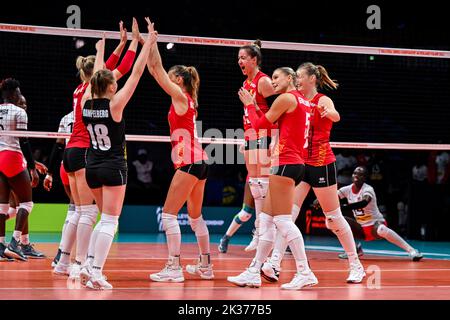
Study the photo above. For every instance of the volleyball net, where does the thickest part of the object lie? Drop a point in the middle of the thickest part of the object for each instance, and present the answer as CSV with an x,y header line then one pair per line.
x,y
388,97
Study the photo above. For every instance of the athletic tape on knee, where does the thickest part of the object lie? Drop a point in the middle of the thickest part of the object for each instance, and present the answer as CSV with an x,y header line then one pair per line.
x,y
108,224
267,229
382,231
287,227
199,226
335,221
242,217
258,188
28,206
88,215
170,224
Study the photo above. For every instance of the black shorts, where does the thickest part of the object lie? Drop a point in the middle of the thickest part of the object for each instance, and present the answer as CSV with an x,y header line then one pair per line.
x,y
294,171
321,177
199,170
262,143
74,159
99,177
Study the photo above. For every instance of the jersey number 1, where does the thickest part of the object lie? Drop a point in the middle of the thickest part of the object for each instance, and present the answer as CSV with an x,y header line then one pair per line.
x,y
99,137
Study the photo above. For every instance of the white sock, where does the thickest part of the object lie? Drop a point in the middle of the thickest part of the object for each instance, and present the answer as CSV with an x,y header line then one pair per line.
x,y
91,249
266,239
294,238
69,235
201,232
391,236
173,233
105,237
84,230
25,239
17,234
70,212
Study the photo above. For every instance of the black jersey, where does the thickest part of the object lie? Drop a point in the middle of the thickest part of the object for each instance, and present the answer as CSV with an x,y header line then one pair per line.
x,y
108,148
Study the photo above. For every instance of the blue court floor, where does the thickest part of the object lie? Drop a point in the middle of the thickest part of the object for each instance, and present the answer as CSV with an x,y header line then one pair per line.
x,y
433,250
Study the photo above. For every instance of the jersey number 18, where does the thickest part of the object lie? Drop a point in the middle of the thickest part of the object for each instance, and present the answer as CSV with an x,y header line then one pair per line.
x,y
99,137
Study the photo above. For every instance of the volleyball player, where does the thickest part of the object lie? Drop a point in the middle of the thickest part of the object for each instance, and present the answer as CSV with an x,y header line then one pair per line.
x,y
369,224
82,221
181,83
56,165
320,171
106,165
256,154
14,172
248,209
290,109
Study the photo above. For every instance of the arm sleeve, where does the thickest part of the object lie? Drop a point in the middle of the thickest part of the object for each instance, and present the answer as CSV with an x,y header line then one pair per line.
x,y
55,158
127,62
357,205
26,150
112,62
256,121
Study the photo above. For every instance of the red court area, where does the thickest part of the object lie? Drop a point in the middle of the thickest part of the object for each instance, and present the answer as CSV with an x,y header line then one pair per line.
x,y
129,265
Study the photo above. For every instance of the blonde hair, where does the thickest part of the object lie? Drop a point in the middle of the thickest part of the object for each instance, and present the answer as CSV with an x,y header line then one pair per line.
x,y
85,66
289,72
191,80
323,79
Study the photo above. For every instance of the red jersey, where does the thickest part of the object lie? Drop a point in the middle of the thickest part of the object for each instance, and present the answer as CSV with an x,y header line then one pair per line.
x,y
183,135
80,136
252,87
318,151
292,133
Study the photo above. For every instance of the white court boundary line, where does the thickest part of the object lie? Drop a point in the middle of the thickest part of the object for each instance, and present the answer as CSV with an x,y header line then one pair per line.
x,y
89,33
223,270
181,287
151,138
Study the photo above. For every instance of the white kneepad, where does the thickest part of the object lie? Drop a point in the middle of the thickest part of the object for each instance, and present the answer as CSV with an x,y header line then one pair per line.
x,y
28,206
267,229
4,207
382,230
287,227
242,216
89,215
336,222
258,187
170,224
199,226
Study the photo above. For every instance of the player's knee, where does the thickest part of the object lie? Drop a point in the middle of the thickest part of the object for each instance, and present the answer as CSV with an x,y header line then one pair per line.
x,y
4,207
258,187
75,217
88,215
287,227
199,226
267,229
108,224
335,221
28,206
382,231
170,223
242,217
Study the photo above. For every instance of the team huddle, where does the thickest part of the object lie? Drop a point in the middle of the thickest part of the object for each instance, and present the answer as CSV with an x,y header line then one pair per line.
x,y
287,125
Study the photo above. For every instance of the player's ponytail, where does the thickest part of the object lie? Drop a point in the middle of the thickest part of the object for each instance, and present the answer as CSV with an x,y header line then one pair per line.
x,y
323,80
85,66
191,80
100,82
254,50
